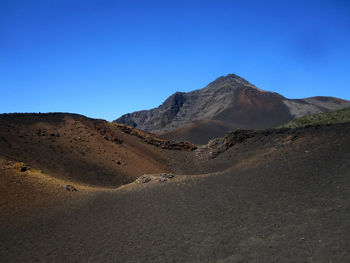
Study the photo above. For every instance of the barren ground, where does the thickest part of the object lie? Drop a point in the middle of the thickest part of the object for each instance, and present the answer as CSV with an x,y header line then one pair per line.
x,y
272,198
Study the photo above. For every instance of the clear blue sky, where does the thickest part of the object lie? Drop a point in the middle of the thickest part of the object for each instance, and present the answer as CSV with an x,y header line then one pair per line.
x,y
105,58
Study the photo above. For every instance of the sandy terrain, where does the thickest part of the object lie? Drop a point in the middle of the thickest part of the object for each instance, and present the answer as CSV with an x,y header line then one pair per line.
x,y
276,197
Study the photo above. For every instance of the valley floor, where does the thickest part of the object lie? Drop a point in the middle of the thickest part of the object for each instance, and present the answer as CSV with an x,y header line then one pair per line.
x,y
286,200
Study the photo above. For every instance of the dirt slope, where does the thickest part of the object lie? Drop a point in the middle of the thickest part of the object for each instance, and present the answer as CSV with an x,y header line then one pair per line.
x,y
258,196
27,192
81,149
199,132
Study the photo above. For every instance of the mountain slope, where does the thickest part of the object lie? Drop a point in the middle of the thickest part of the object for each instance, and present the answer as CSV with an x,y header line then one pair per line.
x,y
232,101
332,117
199,131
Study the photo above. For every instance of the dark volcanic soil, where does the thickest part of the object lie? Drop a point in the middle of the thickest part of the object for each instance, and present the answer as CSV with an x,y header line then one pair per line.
x,y
274,196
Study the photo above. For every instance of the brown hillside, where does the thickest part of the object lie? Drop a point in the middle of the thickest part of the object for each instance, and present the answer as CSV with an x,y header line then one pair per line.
x,y
256,109
81,149
199,132
252,108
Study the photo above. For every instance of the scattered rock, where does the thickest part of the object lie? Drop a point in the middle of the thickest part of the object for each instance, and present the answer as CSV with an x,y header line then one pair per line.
x,y
143,179
156,141
70,187
112,139
24,167
162,177
41,132
8,165
219,145
118,162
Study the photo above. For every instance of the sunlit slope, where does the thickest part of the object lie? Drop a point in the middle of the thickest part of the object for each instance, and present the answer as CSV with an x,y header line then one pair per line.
x,y
74,147
337,116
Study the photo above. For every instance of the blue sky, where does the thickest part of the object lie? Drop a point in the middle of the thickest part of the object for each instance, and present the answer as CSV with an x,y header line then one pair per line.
x,y
106,58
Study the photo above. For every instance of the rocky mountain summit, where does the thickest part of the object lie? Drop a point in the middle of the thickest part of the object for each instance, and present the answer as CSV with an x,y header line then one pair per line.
x,y
227,103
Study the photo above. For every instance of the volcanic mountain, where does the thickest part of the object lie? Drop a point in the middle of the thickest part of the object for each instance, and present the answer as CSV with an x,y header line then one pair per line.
x,y
227,103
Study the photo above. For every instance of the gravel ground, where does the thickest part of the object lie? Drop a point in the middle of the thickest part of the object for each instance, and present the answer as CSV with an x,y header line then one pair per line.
x,y
292,205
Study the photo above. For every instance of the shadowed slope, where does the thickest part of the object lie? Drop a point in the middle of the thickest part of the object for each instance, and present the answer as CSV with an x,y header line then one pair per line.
x,y
29,192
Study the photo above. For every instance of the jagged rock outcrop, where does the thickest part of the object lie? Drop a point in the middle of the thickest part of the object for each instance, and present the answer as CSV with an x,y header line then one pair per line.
x,y
227,103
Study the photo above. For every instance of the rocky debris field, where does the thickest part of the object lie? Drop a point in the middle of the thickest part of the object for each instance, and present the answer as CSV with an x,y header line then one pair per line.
x,y
162,177
153,140
232,138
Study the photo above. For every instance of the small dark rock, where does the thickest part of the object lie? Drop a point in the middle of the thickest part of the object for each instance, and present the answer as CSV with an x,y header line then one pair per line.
x,y
71,188
117,141
24,169
41,132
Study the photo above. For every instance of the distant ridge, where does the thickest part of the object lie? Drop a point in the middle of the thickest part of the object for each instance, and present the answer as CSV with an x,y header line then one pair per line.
x,y
227,103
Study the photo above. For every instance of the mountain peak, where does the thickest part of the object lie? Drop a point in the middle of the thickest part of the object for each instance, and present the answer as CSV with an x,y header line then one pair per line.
x,y
227,103
232,80
229,77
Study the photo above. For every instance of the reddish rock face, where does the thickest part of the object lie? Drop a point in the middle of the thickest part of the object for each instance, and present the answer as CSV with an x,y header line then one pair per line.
x,y
227,103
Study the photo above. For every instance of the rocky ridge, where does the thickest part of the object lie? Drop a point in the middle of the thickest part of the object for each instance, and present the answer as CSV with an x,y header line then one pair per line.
x,y
227,103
